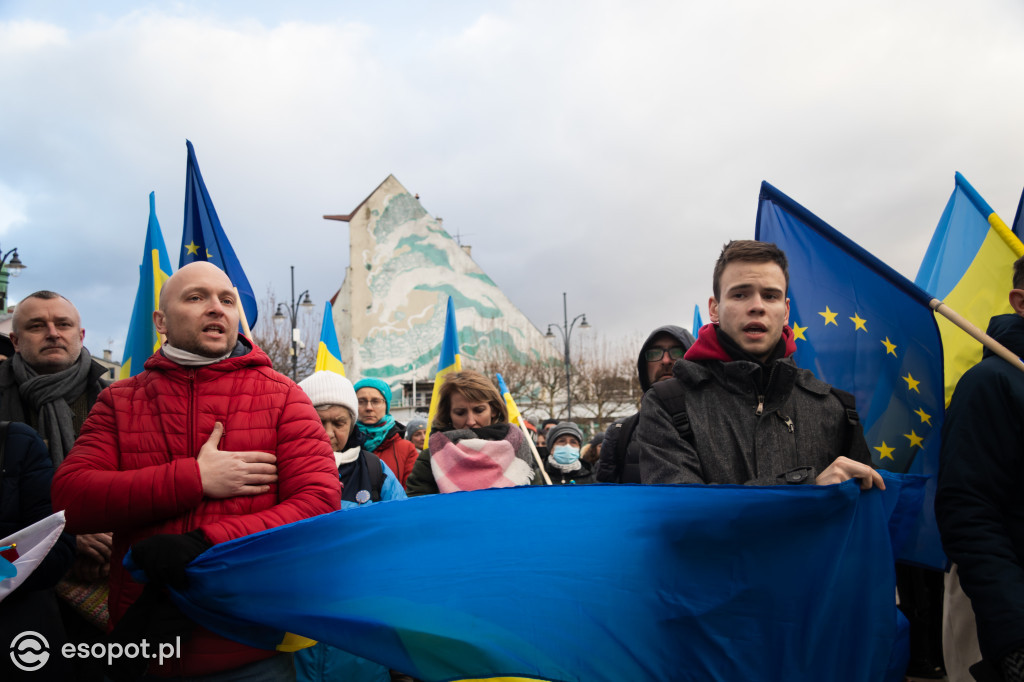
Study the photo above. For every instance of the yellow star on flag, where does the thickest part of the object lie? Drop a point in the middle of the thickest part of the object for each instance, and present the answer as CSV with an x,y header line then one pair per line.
x,y
925,417
208,254
858,322
830,317
911,383
886,451
890,347
192,248
916,441
798,332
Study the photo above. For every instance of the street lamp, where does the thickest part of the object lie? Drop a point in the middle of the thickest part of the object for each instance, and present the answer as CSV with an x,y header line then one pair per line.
x,y
13,269
293,312
565,329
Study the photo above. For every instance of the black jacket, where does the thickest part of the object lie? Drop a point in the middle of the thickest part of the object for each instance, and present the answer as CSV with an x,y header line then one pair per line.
x,y
622,464
979,503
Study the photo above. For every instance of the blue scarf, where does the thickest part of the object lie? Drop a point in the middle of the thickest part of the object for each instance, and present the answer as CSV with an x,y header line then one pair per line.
x,y
376,433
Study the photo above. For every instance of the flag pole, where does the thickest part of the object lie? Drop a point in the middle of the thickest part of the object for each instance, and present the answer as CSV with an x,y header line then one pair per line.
x,y
986,340
241,315
533,449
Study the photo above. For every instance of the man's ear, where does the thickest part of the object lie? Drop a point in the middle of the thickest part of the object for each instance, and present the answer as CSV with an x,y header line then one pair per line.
x,y
713,309
160,322
1016,302
14,341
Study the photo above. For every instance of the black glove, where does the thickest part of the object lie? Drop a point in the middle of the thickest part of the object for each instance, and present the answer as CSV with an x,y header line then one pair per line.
x,y
164,557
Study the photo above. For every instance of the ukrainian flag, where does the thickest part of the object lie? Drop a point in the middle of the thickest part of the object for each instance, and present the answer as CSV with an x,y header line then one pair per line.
x,y
450,360
143,340
514,416
697,322
969,266
328,352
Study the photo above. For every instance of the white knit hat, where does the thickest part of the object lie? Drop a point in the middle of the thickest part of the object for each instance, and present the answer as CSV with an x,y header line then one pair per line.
x,y
330,388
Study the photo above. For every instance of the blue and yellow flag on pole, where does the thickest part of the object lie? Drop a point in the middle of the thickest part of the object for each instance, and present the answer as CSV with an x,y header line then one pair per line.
x,y
142,339
203,237
864,328
328,352
969,266
697,322
514,415
449,362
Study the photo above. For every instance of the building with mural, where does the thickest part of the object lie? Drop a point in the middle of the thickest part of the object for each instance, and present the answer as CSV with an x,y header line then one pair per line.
x,y
390,310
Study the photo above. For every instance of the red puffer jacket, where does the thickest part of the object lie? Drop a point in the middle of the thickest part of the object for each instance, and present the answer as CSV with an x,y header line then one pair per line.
x,y
399,454
133,471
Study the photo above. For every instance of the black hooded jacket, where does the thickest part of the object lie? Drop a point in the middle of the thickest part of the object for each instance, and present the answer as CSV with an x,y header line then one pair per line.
x,y
622,464
978,503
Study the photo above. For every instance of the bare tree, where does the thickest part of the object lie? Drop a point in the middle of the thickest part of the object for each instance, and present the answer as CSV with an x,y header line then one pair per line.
x,y
275,338
605,384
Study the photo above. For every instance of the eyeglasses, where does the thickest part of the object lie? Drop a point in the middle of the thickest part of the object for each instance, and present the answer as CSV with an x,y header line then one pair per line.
x,y
375,402
656,354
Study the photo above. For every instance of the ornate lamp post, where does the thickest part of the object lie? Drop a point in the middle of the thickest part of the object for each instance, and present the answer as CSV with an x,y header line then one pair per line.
x,y
293,314
565,329
13,269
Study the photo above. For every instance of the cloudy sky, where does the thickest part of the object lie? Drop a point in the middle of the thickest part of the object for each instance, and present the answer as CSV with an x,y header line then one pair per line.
x,y
602,148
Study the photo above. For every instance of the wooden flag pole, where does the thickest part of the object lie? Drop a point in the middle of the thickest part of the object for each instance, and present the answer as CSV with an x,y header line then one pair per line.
x,y
966,325
241,315
533,448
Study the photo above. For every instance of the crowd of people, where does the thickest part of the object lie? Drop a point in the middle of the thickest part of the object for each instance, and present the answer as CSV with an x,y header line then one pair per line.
x,y
209,443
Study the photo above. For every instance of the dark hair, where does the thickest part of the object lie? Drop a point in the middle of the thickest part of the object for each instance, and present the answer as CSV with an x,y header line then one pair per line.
x,y
750,251
474,387
1018,273
44,294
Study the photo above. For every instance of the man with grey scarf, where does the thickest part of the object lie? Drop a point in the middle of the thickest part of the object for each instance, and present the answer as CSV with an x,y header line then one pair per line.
x,y
51,383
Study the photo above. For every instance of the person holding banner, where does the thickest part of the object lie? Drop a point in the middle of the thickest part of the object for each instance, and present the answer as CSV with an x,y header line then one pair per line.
x,y
472,445
739,410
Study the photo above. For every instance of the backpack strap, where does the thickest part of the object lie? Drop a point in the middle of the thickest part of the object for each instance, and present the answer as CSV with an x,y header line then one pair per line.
x,y
856,444
625,435
377,477
672,394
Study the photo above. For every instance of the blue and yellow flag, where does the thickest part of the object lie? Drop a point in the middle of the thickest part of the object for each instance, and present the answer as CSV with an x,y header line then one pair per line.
x,y
203,237
969,266
142,339
1018,220
449,362
697,322
864,328
720,582
514,416
328,352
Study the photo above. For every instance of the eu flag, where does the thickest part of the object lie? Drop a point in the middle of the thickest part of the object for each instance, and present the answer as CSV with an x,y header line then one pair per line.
x,y
866,329
203,237
155,269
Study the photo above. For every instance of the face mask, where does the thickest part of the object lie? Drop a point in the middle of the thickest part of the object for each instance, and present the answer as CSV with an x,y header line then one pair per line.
x,y
565,454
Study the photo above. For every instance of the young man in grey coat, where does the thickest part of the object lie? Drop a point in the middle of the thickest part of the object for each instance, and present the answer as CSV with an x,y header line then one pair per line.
x,y
754,416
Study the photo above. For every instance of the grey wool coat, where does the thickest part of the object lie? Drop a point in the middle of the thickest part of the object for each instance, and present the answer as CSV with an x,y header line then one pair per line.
x,y
800,428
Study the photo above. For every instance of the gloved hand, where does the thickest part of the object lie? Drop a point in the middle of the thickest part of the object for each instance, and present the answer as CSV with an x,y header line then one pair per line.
x,y
164,557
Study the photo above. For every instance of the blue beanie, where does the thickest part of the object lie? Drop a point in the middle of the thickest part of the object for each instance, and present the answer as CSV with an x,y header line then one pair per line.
x,y
381,387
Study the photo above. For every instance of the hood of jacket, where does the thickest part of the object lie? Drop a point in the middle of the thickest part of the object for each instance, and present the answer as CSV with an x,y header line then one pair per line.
x,y
1008,330
684,337
708,347
245,354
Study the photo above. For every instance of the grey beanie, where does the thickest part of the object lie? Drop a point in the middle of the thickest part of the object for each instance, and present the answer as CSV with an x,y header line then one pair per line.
x,y
562,429
414,426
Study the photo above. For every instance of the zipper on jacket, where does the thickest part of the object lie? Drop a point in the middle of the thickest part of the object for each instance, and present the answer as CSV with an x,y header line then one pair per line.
x,y
760,396
191,427
760,405
787,421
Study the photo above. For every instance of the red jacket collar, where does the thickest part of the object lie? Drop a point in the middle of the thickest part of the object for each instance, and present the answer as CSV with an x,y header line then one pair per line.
x,y
707,346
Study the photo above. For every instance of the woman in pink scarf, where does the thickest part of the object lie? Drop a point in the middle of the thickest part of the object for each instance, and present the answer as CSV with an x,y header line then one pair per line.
x,y
472,446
